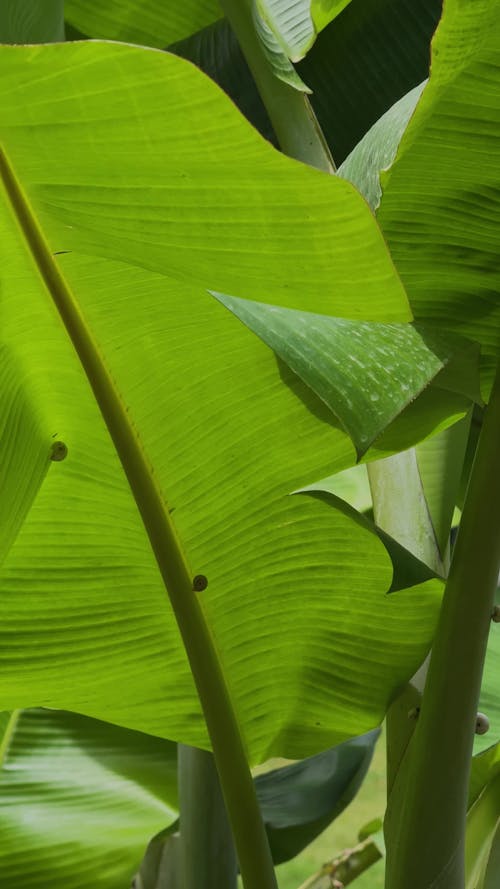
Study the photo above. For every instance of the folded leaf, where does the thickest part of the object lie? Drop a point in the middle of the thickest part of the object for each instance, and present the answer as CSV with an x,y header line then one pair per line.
x,y
366,373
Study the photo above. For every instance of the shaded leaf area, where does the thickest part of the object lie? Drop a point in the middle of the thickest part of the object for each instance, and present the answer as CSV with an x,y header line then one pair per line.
x,y
29,21
216,51
163,204
79,800
299,801
443,234
367,374
146,22
369,57
377,149
83,610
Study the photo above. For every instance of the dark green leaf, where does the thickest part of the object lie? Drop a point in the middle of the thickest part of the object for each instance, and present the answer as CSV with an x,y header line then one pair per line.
x,y
373,53
298,801
31,21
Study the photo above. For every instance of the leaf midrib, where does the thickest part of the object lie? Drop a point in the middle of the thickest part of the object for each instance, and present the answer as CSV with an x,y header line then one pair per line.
x,y
220,717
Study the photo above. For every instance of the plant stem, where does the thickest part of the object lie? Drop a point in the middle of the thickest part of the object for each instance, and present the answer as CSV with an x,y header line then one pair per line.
x,y
236,780
432,815
206,844
345,868
294,122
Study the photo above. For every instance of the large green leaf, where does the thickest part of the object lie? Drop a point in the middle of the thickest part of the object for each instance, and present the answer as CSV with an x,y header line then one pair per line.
x,y
367,374
82,605
372,54
79,799
237,217
30,21
141,21
443,234
83,608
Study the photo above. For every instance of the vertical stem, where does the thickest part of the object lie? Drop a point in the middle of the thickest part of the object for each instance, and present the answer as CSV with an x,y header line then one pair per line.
x,y
433,814
294,122
207,851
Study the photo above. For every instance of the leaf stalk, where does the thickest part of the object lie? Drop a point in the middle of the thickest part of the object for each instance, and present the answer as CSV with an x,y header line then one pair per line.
x,y
430,794
229,751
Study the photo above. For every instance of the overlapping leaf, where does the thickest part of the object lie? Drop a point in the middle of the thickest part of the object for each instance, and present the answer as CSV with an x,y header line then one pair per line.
x,y
367,374
79,799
